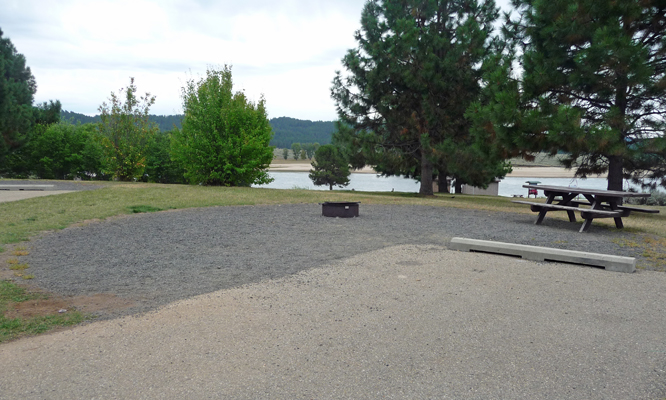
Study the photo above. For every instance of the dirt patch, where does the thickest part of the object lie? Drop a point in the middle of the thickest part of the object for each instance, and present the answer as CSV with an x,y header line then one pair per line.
x,y
52,305
35,308
100,303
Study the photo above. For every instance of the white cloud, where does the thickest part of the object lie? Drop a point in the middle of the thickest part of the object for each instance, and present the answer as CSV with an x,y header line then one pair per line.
x,y
81,50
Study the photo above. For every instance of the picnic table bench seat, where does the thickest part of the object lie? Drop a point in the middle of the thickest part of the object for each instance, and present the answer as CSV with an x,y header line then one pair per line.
x,y
628,208
536,207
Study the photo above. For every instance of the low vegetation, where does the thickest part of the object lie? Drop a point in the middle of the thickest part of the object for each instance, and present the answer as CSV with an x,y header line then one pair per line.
x,y
12,327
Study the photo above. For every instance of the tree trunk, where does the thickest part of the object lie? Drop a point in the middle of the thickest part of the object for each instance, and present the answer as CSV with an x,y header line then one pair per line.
x,y
426,175
330,185
443,183
458,186
614,173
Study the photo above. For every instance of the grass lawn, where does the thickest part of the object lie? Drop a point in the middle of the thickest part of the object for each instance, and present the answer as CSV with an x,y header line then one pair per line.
x,y
21,220
13,326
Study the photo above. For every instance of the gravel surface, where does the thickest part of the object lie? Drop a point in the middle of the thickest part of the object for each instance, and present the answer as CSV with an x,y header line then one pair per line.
x,y
157,258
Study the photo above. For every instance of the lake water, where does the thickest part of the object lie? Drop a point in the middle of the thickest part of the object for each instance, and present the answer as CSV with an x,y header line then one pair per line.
x,y
373,183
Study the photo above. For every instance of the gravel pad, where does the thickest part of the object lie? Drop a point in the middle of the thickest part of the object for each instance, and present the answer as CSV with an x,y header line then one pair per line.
x,y
157,258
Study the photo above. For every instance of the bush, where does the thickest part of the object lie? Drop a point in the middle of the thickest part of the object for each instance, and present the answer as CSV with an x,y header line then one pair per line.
x,y
225,137
656,198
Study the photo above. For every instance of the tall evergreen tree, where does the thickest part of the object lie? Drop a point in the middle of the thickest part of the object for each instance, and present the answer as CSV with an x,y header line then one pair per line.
x,y
19,120
17,89
594,86
330,167
414,74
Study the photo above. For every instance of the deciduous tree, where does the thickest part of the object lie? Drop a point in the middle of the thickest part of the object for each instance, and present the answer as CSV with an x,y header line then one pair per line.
x,y
296,150
225,137
126,132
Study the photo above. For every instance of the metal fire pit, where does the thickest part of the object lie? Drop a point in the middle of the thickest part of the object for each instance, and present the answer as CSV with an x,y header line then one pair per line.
x,y
342,209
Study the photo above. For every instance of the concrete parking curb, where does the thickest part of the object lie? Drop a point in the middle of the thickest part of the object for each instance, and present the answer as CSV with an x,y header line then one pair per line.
x,y
536,253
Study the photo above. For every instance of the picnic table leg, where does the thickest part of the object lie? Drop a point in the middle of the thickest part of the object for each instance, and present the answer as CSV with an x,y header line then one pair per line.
x,y
542,213
595,204
566,201
586,225
618,220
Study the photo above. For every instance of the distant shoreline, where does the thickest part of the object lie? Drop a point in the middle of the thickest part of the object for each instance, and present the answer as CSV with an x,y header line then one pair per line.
x,y
518,172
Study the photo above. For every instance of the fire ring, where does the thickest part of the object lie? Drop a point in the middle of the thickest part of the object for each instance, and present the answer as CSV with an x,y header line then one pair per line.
x,y
342,209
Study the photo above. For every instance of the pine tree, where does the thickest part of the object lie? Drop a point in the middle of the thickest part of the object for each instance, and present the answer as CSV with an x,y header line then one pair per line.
x,y
593,86
330,167
17,88
410,81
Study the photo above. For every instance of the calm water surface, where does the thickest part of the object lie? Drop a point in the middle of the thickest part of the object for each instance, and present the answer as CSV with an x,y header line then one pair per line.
x,y
373,183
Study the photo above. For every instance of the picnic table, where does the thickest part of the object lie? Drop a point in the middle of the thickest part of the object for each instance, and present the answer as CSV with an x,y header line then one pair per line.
x,y
602,204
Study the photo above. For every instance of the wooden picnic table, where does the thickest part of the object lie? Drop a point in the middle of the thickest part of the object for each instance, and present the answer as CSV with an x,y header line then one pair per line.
x,y
602,204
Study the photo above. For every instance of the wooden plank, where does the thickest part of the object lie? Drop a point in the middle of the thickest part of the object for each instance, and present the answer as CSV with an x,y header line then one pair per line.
x,y
594,192
638,209
581,203
627,208
588,214
557,207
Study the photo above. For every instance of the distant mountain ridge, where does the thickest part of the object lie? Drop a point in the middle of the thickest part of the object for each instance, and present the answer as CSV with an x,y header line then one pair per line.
x,y
291,130
287,130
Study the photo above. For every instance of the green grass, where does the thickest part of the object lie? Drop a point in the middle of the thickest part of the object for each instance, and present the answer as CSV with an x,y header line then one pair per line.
x,y
11,328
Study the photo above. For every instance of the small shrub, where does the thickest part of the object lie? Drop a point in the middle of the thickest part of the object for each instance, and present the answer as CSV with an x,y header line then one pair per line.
x,y
657,198
143,209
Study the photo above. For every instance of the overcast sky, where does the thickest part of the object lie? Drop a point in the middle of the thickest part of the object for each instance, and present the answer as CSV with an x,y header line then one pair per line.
x,y
81,50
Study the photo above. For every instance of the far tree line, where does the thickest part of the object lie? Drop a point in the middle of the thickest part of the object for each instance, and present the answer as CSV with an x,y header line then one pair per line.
x,y
286,131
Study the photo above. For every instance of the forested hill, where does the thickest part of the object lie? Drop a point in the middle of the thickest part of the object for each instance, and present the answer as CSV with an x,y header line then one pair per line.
x,y
290,130
287,130
165,122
